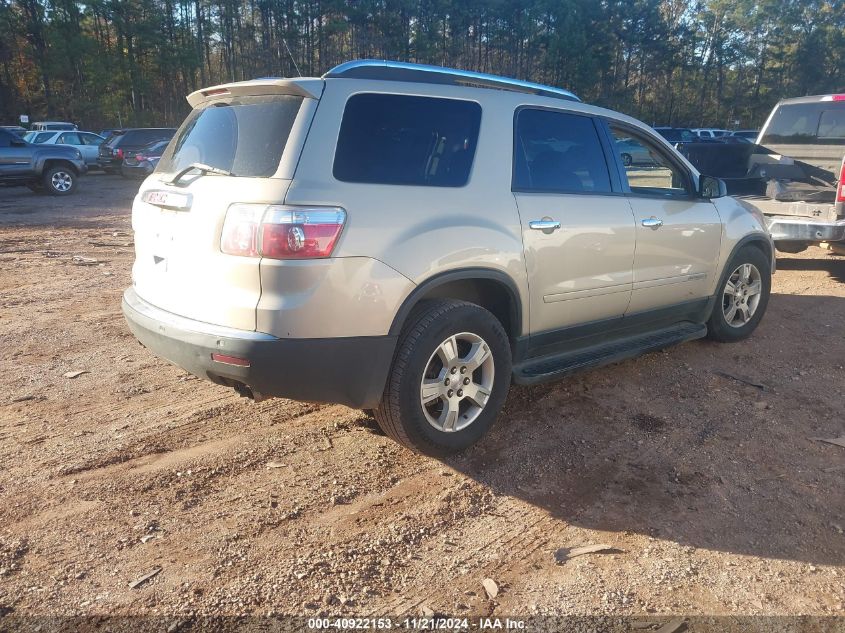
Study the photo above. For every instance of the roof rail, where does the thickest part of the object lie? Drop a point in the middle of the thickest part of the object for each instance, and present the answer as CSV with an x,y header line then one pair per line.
x,y
422,73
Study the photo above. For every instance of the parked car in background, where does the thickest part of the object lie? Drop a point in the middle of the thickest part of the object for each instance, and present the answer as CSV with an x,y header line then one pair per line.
x,y
14,129
340,239
51,168
87,143
710,132
633,152
751,135
52,125
144,161
107,132
677,134
125,143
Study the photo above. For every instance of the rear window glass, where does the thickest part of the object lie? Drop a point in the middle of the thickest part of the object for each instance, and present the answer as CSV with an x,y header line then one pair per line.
x,y
559,153
407,140
142,137
39,137
243,135
796,123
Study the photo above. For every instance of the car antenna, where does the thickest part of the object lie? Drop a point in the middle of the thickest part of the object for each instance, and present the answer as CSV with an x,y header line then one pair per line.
x,y
287,48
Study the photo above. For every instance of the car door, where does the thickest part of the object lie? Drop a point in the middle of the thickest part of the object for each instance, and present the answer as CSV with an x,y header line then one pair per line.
x,y
75,140
678,232
15,155
91,147
578,229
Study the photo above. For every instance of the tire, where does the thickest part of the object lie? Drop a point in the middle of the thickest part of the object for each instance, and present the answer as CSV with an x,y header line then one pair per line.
x,y
432,334
627,160
749,267
59,180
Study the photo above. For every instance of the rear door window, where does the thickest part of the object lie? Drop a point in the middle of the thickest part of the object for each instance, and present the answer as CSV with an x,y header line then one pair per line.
x,y
558,152
808,123
70,138
243,135
407,140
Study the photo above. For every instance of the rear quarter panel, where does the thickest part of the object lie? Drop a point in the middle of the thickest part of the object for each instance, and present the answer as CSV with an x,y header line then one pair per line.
x,y
420,231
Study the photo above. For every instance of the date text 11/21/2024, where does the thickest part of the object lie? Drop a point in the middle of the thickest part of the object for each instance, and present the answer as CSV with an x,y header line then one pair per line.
x,y
417,624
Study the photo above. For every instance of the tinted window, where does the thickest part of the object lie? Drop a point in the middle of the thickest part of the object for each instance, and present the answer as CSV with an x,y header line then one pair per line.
x,y
795,123
243,135
404,140
557,152
142,137
648,168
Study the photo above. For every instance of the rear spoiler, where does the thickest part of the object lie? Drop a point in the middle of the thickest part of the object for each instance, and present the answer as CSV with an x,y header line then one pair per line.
x,y
308,87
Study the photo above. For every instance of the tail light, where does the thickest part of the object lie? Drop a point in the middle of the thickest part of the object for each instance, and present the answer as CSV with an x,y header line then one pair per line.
x,y
281,232
118,153
840,188
139,157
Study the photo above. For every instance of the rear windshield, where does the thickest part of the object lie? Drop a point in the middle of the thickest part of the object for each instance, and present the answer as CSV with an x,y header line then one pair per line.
x,y
820,123
38,137
406,140
138,138
243,135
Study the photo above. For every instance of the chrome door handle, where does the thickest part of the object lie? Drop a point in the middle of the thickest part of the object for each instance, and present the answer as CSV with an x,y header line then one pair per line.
x,y
544,225
652,223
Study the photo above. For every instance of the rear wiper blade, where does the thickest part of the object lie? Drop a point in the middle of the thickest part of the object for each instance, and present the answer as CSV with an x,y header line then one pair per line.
x,y
203,169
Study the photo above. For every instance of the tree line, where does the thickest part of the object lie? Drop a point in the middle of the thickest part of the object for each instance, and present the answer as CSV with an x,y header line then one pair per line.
x,y
105,63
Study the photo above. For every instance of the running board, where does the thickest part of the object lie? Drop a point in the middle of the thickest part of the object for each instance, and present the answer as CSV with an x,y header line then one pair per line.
x,y
545,368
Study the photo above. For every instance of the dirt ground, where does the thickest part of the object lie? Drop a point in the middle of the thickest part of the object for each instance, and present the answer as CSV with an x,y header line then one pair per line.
x,y
696,466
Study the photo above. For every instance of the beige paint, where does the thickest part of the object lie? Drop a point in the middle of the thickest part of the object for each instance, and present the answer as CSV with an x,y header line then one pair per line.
x,y
582,271
677,261
600,264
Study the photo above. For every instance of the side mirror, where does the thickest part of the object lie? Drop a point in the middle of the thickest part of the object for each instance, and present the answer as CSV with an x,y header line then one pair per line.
x,y
711,187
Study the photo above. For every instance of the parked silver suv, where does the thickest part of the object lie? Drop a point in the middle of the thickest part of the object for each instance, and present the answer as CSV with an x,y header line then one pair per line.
x,y
412,239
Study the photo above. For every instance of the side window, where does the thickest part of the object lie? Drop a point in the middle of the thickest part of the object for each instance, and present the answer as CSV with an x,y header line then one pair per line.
x,y
647,166
70,138
90,139
407,140
558,152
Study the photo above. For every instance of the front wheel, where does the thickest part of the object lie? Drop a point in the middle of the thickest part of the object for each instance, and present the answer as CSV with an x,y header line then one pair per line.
x,y
449,378
742,296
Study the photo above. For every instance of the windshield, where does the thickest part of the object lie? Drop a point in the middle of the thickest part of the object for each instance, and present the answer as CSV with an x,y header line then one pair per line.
x,y
242,135
820,123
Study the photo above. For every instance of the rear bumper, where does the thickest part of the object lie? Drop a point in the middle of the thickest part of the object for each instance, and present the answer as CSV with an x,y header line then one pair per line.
x,y
351,370
793,229
109,163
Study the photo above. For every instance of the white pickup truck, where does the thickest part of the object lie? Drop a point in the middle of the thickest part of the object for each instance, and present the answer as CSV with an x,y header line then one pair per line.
x,y
793,174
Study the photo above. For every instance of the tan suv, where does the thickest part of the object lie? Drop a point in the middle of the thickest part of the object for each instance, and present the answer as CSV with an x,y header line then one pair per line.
x,y
412,239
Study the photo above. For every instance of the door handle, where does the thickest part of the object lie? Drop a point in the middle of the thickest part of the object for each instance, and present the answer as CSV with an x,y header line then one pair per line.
x,y
546,224
652,223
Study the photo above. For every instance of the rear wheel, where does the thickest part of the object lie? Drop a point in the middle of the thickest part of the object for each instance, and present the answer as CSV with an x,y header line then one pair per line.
x,y
742,296
449,378
59,180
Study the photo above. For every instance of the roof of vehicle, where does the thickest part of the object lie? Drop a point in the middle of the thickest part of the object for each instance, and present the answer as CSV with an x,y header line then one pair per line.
x,y
814,99
422,73
53,123
381,70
